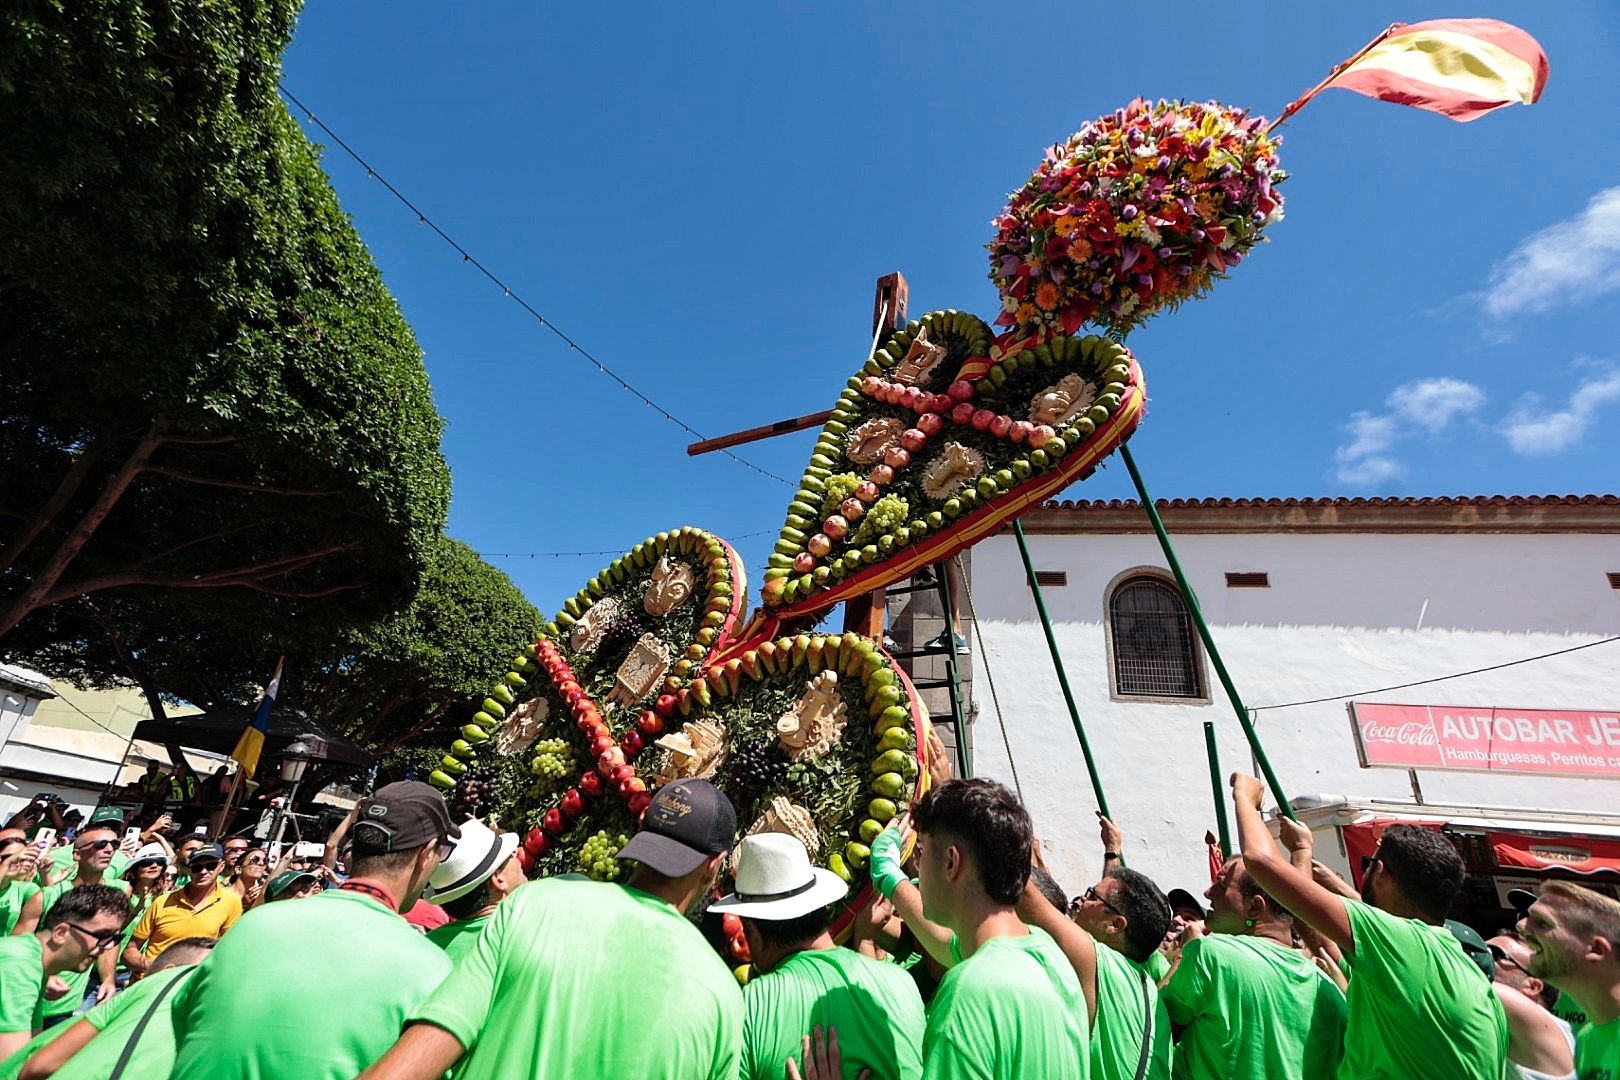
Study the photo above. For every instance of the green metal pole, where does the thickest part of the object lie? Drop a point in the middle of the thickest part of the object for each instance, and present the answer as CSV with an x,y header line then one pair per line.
x,y
964,732
1218,787
1204,635
1062,676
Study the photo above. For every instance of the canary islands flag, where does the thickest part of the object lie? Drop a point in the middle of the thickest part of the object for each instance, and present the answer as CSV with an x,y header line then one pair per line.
x,y
251,742
1461,68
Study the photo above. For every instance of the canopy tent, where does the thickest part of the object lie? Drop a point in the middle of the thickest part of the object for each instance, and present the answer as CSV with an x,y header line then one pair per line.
x,y
218,729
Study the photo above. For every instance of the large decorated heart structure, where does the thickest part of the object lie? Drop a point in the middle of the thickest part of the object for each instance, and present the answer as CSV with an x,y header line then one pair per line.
x,y
639,680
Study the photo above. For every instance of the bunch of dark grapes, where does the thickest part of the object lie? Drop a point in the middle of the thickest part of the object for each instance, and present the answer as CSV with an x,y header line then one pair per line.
x,y
620,631
756,767
476,792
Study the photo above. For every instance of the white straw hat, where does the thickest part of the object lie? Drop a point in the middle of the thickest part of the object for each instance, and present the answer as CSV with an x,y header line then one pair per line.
x,y
150,853
775,880
477,855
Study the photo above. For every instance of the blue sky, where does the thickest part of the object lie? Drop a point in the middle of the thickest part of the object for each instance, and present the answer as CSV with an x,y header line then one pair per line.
x,y
703,195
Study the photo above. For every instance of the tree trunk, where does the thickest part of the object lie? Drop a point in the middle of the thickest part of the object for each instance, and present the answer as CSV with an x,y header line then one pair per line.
x,y
69,486
74,543
149,689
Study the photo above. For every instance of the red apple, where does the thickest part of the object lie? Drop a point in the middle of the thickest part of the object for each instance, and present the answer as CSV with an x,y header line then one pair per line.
x,y
960,390
665,705
649,723
554,823
601,745
639,801
573,803
632,785
620,774
610,759
536,842
632,743
591,784
525,860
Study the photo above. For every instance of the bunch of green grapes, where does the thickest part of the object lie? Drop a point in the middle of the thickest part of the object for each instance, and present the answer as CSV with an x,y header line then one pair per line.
x,y
835,489
886,515
598,856
553,765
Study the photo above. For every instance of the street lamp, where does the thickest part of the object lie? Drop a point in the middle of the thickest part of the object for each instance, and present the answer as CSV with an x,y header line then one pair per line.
x,y
294,760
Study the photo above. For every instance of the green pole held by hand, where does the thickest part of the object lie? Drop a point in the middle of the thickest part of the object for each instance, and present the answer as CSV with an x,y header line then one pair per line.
x,y
1218,786
1062,676
1205,636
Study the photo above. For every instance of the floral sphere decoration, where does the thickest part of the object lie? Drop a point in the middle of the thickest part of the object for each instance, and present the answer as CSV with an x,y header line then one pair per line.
x,y
1136,212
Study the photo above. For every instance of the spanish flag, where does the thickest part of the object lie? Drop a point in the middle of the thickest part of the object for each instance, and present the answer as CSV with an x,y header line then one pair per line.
x,y
1461,68
251,742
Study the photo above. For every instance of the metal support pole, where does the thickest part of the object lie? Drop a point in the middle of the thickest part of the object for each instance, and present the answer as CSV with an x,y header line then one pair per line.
x,y
281,821
1205,636
1062,676
1217,785
964,725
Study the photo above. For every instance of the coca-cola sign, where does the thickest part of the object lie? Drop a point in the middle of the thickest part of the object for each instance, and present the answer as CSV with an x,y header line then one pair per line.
x,y
1543,742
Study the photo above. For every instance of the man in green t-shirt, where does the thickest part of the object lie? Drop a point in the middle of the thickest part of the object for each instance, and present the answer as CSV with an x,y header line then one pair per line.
x,y
482,871
79,927
1574,938
1011,1005
1419,1009
583,979
1246,1004
319,990
93,850
20,903
136,1020
803,980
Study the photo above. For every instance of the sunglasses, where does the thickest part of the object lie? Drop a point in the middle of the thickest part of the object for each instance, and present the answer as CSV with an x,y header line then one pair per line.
x,y
97,845
204,866
1501,957
446,847
101,940
256,860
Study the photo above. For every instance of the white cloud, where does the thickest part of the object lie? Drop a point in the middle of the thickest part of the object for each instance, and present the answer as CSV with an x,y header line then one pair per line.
x,y
1566,263
1424,406
1534,432
1435,403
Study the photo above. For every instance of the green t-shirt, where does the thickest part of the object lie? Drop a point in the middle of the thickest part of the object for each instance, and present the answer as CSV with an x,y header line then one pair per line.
x,y
22,983
1597,1051
78,982
458,938
1419,1008
309,988
1570,1012
1252,1009
1158,966
1116,1036
115,1020
1013,1009
654,1001
13,896
874,1006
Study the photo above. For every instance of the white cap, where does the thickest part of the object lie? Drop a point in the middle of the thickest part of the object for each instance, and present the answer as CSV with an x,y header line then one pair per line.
x,y
150,853
477,855
775,880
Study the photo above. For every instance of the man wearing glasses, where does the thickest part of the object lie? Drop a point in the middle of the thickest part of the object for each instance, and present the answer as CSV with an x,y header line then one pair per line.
x,y
204,908
234,847
343,963
93,853
79,927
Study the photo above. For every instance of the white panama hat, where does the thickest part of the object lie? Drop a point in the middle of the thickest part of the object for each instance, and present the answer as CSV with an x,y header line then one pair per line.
x,y
477,855
775,880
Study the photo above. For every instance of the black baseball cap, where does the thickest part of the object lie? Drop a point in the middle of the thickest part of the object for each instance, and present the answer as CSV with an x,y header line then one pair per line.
x,y
402,817
687,822
1521,899
207,851
1180,898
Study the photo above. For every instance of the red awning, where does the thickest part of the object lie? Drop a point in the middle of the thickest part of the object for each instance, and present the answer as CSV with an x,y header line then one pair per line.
x,y
1577,854
1361,840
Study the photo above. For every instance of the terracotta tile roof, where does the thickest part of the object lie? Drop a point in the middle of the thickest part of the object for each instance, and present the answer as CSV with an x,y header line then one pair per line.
x,y
1307,504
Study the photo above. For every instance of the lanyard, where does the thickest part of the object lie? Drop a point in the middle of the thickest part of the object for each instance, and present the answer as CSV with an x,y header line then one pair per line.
x,y
372,891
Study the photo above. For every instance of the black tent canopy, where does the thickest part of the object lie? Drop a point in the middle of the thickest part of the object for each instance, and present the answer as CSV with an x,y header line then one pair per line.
x,y
218,729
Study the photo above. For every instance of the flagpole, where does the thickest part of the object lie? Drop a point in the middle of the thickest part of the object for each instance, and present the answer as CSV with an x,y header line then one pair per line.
x,y
1338,69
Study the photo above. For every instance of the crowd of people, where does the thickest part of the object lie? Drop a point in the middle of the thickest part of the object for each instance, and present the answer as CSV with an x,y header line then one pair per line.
x,y
969,960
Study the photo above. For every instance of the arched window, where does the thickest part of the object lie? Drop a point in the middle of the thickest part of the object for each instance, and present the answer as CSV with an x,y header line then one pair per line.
x,y
1152,642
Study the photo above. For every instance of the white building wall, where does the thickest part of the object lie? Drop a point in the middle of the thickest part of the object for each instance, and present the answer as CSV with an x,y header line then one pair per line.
x,y
1341,617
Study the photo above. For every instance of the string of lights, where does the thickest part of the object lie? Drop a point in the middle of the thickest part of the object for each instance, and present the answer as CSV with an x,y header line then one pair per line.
x,y
507,291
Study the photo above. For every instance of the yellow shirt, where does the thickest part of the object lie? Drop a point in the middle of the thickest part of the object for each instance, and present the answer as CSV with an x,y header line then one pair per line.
x,y
173,918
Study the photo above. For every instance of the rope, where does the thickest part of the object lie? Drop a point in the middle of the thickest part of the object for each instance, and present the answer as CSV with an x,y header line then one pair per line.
x,y
984,656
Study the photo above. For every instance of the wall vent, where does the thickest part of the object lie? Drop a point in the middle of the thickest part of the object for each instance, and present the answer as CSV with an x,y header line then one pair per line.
x,y
1061,577
1614,579
1247,580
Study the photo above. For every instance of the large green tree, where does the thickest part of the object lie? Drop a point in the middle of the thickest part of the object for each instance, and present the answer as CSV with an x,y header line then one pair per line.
x,y
210,401
404,678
